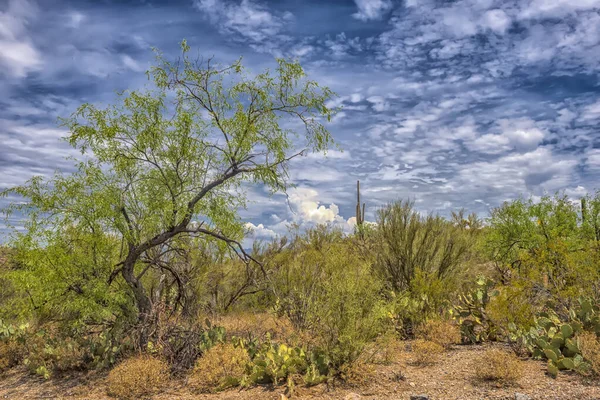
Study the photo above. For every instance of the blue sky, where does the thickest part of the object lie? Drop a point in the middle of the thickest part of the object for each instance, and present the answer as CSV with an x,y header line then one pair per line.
x,y
451,103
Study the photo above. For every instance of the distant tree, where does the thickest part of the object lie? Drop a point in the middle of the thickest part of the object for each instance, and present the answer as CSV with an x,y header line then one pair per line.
x,y
164,165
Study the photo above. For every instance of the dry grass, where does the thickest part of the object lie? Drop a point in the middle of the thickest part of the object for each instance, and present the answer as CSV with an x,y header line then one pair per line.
x,y
385,350
357,373
443,332
137,377
221,367
257,325
11,354
590,350
498,366
425,352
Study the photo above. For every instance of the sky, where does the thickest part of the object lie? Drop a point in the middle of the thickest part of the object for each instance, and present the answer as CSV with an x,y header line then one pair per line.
x,y
453,104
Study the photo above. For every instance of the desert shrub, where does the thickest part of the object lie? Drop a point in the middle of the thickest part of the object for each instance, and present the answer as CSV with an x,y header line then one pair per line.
x,y
48,351
443,332
590,350
498,366
324,288
221,367
427,298
550,243
425,352
514,305
409,241
137,377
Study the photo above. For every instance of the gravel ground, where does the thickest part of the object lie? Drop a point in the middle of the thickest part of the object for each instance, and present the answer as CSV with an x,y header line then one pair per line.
x,y
451,378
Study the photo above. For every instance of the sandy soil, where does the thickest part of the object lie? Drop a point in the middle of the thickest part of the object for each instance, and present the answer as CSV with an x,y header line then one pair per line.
x,y
451,378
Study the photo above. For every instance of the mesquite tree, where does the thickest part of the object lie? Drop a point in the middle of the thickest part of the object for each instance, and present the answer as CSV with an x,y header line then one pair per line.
x,y
170,163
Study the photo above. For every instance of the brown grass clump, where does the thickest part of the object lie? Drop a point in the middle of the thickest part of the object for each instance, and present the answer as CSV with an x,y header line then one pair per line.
x,y
443,332
357,373
590,350
221,367
257,325
498,366
137,377
11,354
426,352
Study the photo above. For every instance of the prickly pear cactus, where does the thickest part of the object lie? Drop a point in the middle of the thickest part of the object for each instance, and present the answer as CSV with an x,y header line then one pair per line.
x,y
557,341
471,315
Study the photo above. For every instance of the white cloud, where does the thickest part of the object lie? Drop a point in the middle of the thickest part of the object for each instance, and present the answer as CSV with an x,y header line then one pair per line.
x,y
305,203
131,63
555,8
259,231
515,174
18,55
497,20
75,19
591,112
521,135
379,103
593,160
371,9
249,20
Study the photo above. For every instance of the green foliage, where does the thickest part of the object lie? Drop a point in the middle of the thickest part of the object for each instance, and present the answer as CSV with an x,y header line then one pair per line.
x,y
409,242
546,242
324,287
113,236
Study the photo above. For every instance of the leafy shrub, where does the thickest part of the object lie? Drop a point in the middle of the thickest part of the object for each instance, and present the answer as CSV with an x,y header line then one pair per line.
x,y
514,305
323,287
221,367
425,352
550,242
137,377
46,353
427,298
498,366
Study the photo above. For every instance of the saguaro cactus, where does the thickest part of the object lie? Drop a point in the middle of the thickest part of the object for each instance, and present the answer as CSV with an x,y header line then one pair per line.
x,y
360,214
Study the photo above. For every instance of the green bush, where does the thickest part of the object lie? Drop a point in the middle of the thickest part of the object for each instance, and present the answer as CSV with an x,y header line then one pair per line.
x,y
324,288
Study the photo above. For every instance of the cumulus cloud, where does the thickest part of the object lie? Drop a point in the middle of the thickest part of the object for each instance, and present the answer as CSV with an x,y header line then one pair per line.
x,y
305,202
259,231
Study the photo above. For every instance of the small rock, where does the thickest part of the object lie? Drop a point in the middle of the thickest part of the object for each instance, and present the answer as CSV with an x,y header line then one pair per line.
x,y
352,396
521,396
419,397
412,384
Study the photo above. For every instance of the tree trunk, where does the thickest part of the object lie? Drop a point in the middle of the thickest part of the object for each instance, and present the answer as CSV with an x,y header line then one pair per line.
x,y
143,303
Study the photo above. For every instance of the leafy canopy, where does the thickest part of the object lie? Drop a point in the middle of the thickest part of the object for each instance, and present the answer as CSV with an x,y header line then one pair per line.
x,y
161,165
